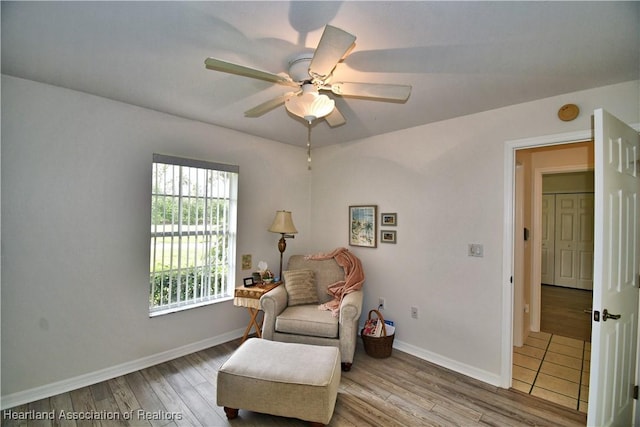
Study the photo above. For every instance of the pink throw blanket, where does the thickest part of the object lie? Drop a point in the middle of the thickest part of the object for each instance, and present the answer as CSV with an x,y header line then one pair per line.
x,y
353,277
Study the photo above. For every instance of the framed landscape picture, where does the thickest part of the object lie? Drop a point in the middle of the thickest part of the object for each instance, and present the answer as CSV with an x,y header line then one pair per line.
x,y
388,236
363,227
389,219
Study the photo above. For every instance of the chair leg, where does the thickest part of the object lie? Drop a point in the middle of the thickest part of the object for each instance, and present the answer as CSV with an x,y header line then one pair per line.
x,y
231,413
346,366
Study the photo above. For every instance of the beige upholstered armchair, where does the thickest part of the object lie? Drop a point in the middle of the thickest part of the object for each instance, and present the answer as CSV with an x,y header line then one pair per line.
x,y
292,312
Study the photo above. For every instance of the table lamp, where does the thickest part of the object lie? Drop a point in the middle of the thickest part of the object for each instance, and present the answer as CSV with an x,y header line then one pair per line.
x,y
283,224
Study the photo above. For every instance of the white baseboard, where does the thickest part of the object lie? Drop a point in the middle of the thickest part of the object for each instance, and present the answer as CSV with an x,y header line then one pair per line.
x,y
470,371
48,390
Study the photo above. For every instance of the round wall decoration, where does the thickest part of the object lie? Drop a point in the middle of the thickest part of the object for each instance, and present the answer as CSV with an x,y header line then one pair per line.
x,y
568,112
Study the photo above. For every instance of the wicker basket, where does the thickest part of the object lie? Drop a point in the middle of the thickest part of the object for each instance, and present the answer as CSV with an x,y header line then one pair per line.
x,y
378,347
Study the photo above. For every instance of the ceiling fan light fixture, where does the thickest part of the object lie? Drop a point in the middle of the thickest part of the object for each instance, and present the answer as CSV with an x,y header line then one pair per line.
x,y
311,71
309,105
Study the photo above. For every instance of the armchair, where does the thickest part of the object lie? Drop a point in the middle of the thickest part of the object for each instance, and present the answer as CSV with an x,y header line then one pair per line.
x,y
307,323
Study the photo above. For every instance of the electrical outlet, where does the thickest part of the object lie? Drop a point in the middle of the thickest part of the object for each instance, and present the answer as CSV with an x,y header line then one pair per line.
x,y
381,303
476,249
414,312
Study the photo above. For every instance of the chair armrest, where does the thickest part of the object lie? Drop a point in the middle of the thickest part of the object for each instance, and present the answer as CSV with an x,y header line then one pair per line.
x,y
272,303
350,311
351,307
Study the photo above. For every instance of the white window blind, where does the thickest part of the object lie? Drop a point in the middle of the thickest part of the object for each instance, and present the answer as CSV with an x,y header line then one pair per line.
x,y
193,233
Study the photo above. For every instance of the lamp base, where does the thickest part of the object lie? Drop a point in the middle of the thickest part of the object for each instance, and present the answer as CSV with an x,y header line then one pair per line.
x,y
282,246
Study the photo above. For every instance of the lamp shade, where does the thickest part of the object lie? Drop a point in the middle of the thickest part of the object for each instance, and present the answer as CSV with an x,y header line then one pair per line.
x,y
309,105
283,223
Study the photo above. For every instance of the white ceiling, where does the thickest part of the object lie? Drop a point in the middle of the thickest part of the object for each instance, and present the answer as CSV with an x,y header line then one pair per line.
x,y
460,57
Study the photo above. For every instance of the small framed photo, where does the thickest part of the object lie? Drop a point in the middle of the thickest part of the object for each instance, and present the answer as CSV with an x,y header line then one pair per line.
x,y
363,225
248,282
389,219
388,236
246,262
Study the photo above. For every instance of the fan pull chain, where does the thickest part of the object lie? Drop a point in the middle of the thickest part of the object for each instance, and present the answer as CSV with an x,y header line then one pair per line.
x,y
309,146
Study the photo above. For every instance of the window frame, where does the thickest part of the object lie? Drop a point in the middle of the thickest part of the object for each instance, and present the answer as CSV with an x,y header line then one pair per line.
x,y
207,285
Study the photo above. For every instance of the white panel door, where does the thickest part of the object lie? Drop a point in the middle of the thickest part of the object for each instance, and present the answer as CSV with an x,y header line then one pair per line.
x,y
548,238
615,287
584,242
574,240
566,226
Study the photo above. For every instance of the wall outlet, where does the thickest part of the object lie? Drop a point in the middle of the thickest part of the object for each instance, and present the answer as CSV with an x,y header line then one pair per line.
x,y
476,249
414,312
381,303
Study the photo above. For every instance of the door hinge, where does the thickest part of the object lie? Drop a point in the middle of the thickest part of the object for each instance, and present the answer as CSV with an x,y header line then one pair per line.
x,y
638,281
635,392
596,316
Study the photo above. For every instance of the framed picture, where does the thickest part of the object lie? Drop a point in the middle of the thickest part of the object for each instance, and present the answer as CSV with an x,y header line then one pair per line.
x,y
389,219
248,282
246,262
388,236
363,226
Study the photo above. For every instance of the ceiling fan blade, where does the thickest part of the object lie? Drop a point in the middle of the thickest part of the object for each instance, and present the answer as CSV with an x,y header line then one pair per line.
x,y
241,70
372,90
335,118
333,45
265,107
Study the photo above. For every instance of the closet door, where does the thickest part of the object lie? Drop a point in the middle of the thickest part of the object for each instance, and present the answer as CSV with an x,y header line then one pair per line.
x,y
585,241
574,240
566,227
548,239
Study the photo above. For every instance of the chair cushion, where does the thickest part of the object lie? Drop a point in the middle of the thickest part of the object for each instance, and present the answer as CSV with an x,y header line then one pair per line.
x,y
300,286
307,320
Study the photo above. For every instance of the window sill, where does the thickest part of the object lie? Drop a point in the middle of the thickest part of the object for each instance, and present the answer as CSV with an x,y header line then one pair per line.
x,y
188,306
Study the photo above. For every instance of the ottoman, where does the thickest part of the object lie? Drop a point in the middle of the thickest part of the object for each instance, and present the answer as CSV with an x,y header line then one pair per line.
x,y
285,379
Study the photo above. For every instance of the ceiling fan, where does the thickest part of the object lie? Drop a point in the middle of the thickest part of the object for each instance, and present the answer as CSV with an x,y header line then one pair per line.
x,y
311,73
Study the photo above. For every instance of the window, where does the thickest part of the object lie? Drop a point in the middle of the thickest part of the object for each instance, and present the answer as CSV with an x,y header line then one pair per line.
x,y
193,233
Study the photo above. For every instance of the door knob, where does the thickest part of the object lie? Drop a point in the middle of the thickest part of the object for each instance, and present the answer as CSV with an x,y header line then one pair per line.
x,y
606,315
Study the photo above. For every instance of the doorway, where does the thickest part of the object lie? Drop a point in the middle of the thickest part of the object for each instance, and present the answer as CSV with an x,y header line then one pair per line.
x,y
617,146
567,243
547,362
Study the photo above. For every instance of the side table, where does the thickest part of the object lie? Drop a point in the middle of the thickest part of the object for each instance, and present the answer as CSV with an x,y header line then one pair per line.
x,y
249,297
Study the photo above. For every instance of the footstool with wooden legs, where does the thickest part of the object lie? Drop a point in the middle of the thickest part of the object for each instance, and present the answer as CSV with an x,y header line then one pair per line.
x,y
284,379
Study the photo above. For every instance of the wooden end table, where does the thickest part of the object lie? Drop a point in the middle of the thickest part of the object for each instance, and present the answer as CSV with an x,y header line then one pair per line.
x,y
249,297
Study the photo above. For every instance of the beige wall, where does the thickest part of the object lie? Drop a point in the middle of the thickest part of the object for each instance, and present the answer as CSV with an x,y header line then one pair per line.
x,y
524,158
575,182
76,180
75,221
446,182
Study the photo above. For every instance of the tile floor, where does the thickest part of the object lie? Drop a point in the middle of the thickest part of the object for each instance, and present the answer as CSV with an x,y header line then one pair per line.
x,y
554,368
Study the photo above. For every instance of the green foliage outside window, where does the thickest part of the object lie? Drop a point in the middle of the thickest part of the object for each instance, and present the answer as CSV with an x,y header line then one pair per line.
x,y
192,286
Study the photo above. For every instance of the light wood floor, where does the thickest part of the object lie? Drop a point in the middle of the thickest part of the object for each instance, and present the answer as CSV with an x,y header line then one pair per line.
x,y
562,312
398,391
